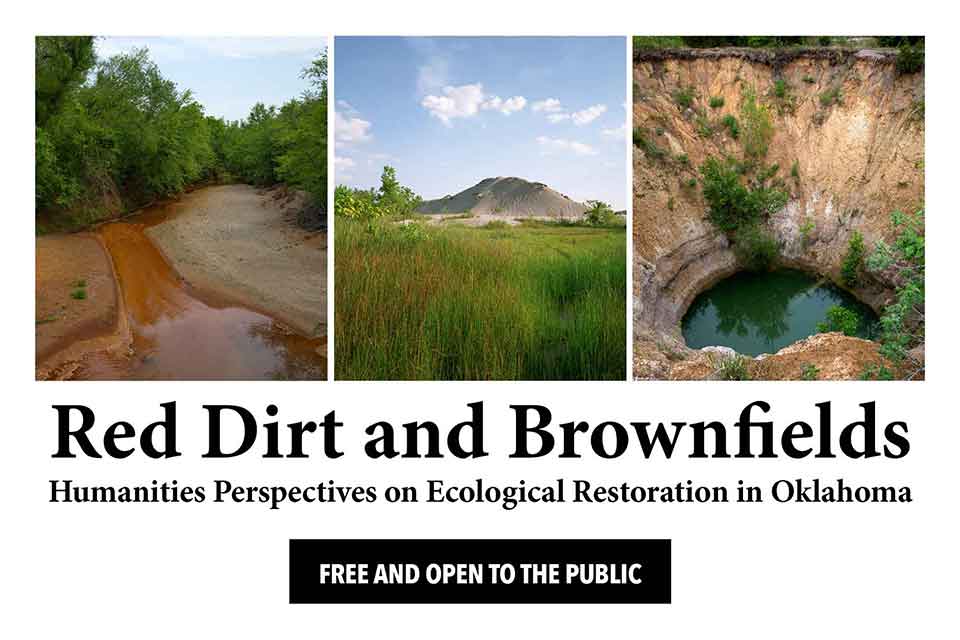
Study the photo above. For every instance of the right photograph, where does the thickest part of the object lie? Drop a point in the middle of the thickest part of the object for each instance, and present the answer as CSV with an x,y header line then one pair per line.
x,y
778,208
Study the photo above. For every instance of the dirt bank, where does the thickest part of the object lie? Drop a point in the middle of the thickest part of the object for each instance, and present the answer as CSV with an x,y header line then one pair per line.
x,y
77,302
848,136
243,244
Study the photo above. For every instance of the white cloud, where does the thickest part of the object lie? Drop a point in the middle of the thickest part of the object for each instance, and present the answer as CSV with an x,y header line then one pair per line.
x,y
466,101
588,115
559,144
558,117
350,130
618,133
550,105
506,107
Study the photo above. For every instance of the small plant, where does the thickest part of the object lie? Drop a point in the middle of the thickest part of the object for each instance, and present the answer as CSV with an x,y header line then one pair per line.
x,y
704,126
806,228
853,261
649,148
795,170
684,97
831,97
683,159
781,88
730,122
809,79
658,131
840,319
809,371
670,203
691,183
732,368
876,372
79,294
716,102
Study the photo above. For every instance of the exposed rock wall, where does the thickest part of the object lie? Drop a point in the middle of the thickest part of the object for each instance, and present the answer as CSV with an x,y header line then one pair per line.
x,y
858,158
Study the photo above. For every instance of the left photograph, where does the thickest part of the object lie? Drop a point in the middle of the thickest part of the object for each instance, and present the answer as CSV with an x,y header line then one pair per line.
x,y
181,208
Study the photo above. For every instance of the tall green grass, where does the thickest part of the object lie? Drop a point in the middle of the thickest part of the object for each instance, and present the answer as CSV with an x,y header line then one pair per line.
x,y
535,302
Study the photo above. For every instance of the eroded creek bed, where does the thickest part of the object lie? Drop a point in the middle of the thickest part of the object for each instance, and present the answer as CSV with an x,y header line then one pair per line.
x,y
177,331
755,313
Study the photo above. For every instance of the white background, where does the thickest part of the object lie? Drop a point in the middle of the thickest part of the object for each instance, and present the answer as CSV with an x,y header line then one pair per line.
x,y
217,570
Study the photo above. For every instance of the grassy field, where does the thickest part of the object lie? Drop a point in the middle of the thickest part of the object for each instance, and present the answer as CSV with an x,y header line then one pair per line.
x,y
533,302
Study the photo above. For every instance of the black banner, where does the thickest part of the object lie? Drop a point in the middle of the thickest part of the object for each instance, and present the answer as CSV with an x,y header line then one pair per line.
x,y
479,571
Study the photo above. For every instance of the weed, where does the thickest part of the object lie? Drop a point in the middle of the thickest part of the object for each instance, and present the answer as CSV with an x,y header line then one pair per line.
x,y
732,368
809,371
79,294
683,159
795,170
831,97
716,102
757,126
649,148
806,228
876,372
670,203
684,97
730,122
809,79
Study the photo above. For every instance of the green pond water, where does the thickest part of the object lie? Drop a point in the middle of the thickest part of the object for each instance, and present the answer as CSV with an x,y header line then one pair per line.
x,y
756,313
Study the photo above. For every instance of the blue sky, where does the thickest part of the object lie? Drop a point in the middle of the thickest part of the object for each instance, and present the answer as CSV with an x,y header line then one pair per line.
x,y
448,112
228,75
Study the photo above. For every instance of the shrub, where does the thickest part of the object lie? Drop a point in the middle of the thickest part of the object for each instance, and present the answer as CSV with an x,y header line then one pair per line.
x,y
683,159
730,122
732,204
840,319
853,260
756,249
716,102
599,214
756,124
909,58
902,322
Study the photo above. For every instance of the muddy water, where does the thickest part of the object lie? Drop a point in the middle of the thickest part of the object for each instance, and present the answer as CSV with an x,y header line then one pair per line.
x,y
179,333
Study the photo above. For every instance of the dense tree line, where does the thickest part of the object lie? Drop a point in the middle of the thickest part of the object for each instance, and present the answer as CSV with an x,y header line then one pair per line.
x,y
113,134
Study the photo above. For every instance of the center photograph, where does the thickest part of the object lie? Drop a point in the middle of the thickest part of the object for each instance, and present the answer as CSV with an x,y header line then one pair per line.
x,y
480,208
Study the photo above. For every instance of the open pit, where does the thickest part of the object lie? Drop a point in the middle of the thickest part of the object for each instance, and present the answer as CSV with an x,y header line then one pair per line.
x,y
848,138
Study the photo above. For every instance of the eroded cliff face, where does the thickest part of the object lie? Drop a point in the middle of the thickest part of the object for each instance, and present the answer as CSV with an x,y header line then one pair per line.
x,y
848,161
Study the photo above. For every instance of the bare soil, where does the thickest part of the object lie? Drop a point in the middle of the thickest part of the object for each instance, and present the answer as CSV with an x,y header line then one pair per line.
x,y
67,264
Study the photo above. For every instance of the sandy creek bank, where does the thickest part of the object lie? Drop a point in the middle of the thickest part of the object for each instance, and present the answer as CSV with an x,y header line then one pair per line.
x,y
219,284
